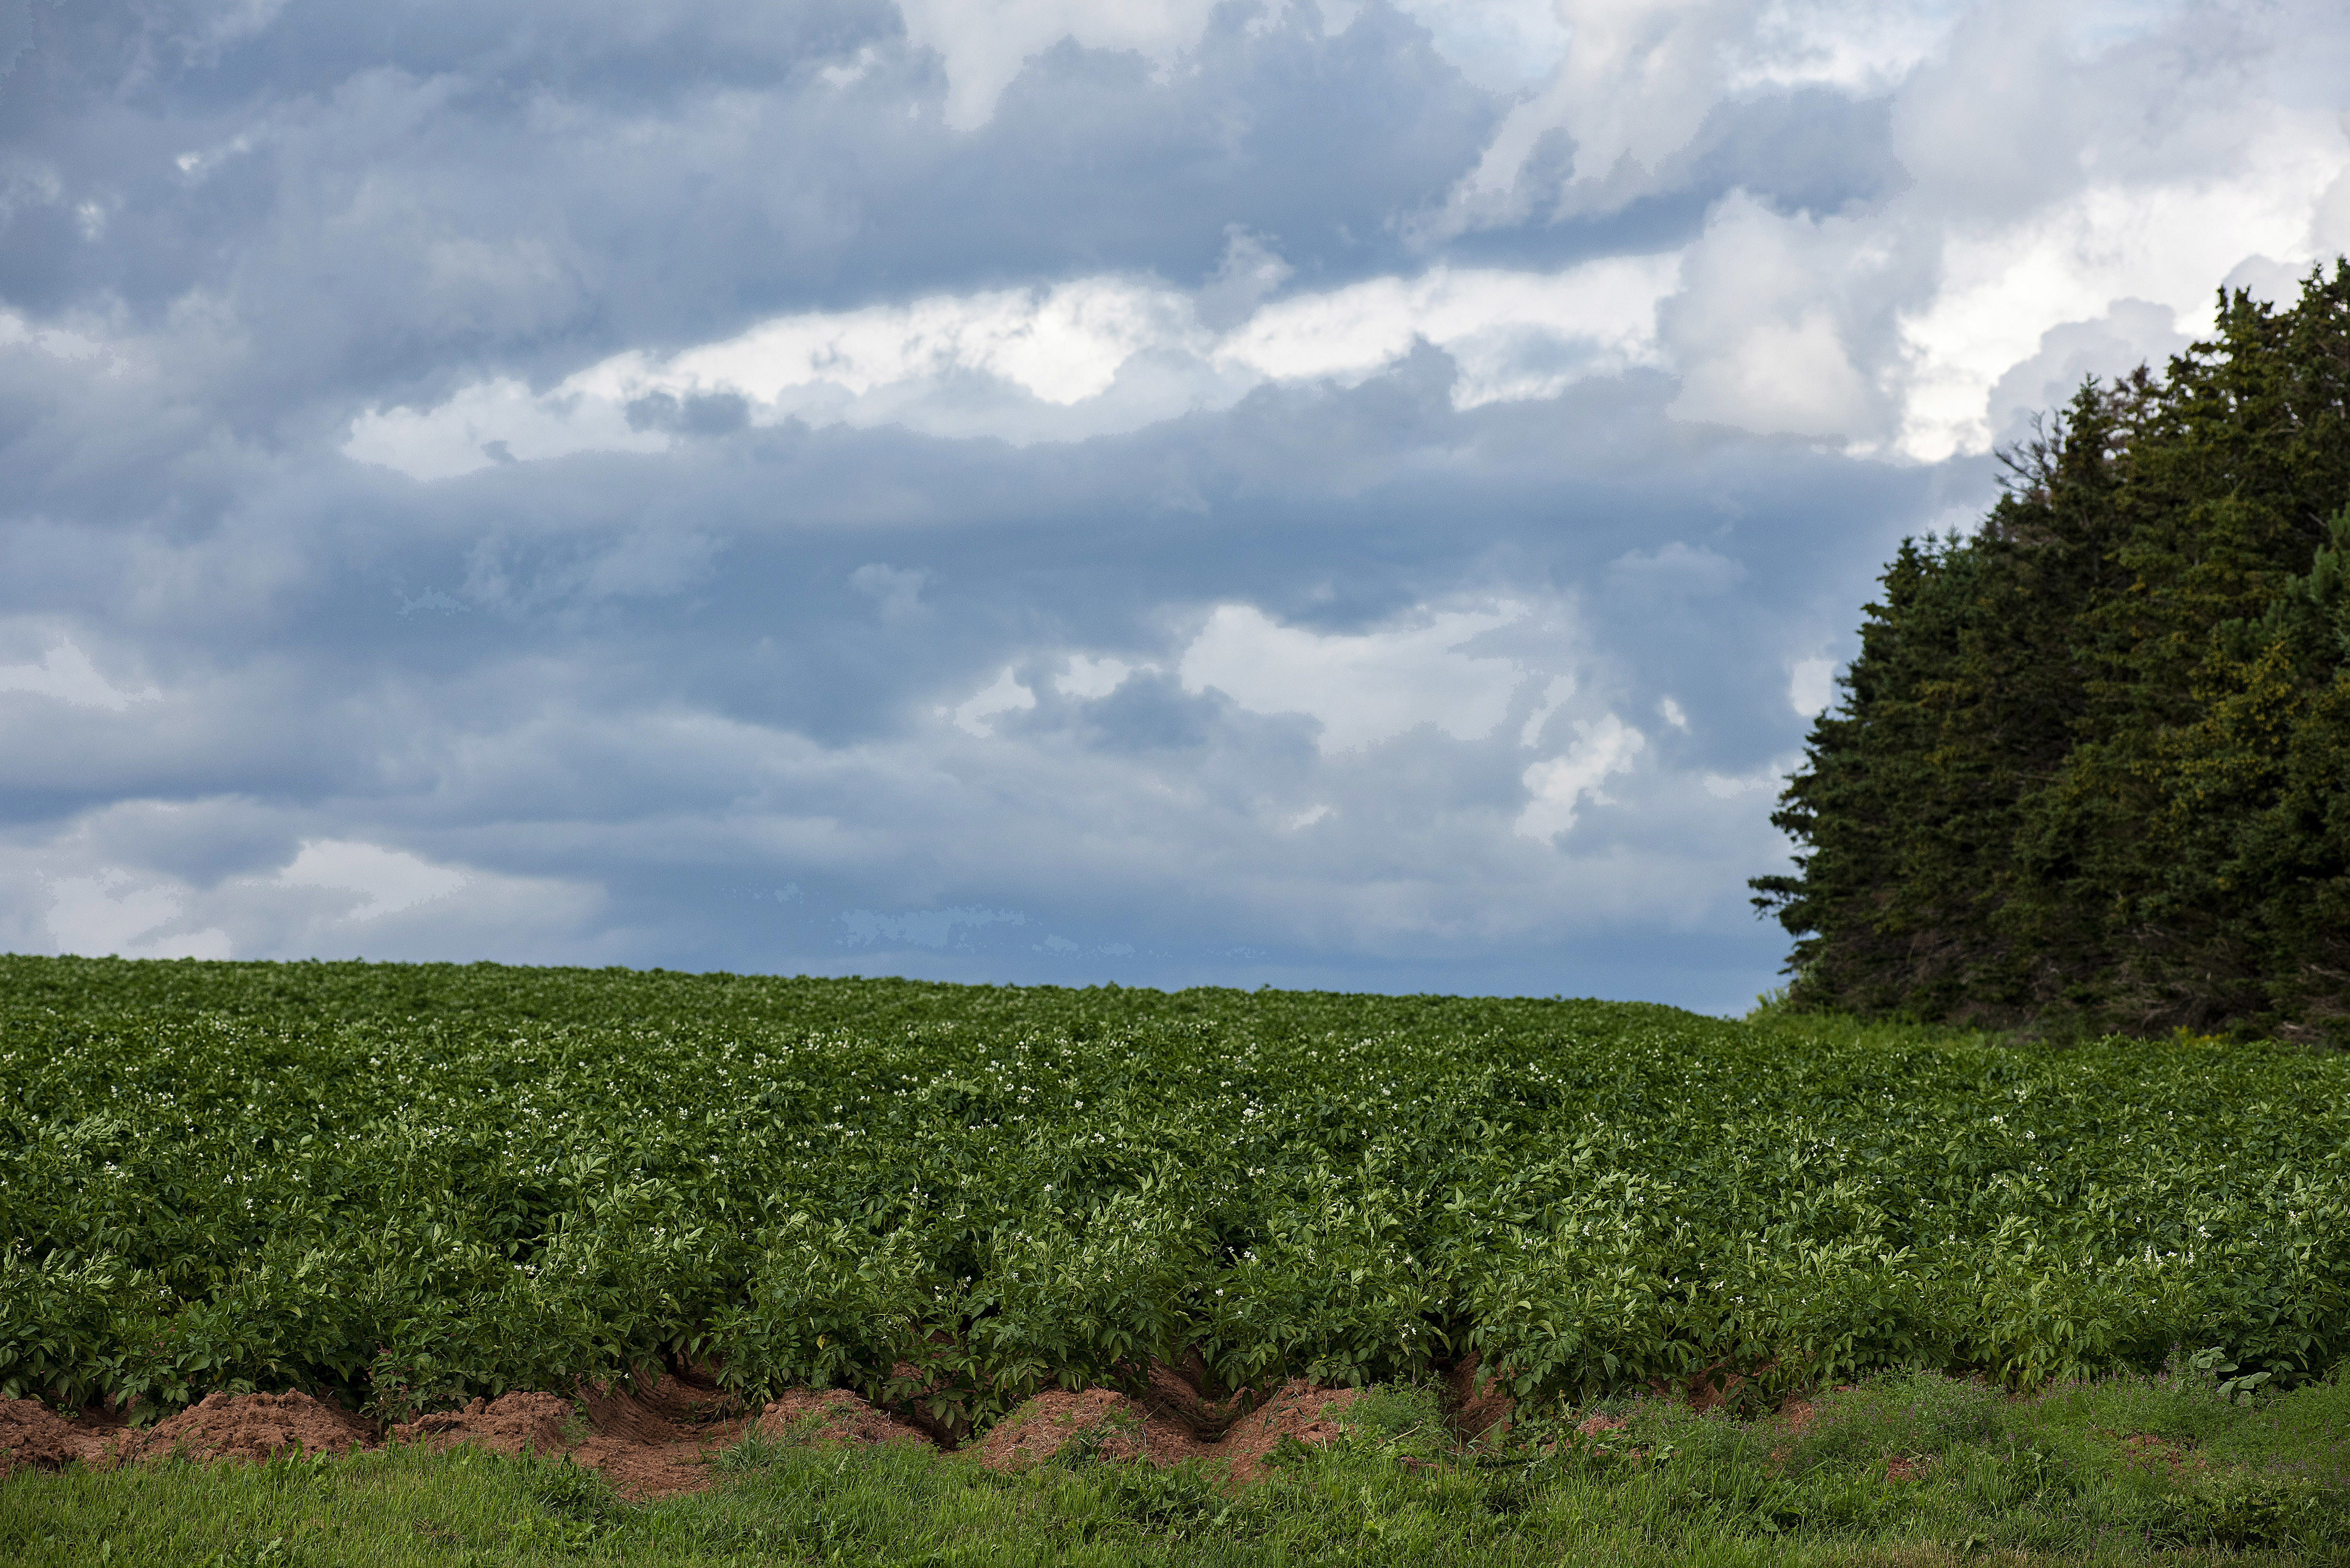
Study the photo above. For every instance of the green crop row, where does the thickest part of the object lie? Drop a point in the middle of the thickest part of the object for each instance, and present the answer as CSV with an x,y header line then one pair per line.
x,y
411,1184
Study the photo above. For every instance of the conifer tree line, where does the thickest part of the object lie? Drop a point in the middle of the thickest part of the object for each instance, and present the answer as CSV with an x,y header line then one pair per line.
x,y
2091,768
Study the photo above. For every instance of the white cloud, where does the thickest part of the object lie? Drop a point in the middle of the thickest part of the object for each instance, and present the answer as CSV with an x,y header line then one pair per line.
x,y
500,420
112,911
2164,242
1860,45
2329,226
1062,345
240,19
1635,84
1560,689
1080,359
2042,192
1887,328
985,43
1670,712
1042,350
1766,780
197,164
1811,686
1559,784
1006,695
1087,677
1503,45
849,72
1249,270
386,880
1363,688
66,674
1637,67
2131,332
80,893
57,342
1514,335
1635,80
1761,333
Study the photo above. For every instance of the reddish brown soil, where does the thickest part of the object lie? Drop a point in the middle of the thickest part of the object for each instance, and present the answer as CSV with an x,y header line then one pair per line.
x,y
1476,1411
1130,1429
646,1443
33,1434
1796,1416
1175,1394
2143,1449
512,1424
1705,1393
254,1427
839,1415
1300,1409
656,1439
650,1442
1121,1429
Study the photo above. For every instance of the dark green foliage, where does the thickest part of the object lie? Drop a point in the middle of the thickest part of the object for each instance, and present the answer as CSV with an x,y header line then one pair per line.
x,y
2092,766
412,1186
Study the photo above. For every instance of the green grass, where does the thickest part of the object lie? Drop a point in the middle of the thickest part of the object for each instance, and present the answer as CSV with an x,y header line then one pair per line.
x,y
2050,1477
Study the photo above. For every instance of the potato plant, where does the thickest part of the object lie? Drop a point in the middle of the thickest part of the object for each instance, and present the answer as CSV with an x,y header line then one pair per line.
x,y
409,1185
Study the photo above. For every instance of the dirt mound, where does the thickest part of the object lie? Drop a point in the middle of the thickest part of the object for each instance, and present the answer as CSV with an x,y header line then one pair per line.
x,y
1100,1421
842,1417
32,1434
649,1441
256,1426
1111,1426
512,1424
1306,1411
655,1439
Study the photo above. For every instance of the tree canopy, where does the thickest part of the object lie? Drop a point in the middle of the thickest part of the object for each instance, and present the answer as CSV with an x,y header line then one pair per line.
x,y
2091,767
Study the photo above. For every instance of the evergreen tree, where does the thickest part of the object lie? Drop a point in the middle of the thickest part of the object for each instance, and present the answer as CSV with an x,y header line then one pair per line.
x,y
2091,766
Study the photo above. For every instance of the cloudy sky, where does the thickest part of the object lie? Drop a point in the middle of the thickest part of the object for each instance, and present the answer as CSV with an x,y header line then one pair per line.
x,y
1363,494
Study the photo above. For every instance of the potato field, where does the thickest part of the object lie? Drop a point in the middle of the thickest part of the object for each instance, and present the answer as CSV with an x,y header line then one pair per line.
x,y
408,1185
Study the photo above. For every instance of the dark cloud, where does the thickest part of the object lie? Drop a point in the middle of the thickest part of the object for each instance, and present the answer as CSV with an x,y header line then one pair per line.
x,y
384,208
666,675
1511,643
